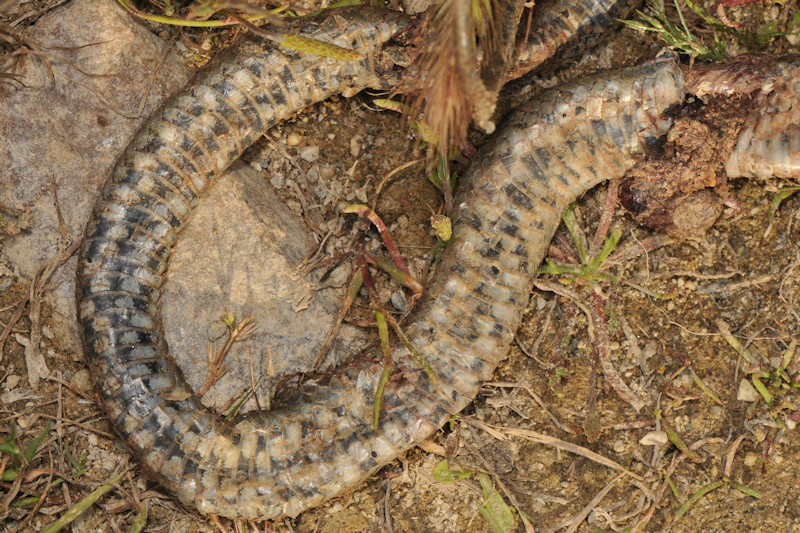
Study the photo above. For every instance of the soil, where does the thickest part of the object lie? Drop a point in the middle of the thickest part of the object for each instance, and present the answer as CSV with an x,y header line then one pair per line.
x,y
664,310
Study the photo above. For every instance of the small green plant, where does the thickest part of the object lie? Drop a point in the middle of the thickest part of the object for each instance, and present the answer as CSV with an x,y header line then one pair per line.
x,y
782,195
589,267
20,458
677,35
500,516
558,375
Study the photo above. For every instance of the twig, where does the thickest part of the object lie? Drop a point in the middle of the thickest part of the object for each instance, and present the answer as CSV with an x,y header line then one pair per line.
x,y
500,432
602,343
18,312
36,365
388,176
533,352
535,397
581,516
253,379
561,291
216,369
612,194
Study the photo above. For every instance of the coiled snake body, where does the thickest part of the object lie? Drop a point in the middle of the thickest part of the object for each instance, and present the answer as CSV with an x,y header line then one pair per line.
x,y
279,463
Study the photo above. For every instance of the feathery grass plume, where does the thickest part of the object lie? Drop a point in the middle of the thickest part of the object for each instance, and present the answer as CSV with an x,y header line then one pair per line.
x,y
452,92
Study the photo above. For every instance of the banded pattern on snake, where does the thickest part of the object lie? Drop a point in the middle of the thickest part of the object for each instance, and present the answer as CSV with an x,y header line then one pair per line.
x,y
279,463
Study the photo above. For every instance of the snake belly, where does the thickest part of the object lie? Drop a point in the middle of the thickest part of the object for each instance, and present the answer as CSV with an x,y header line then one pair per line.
x,y
266,465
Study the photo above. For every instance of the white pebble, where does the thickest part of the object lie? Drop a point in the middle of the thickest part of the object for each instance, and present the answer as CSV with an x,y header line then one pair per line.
x,y
747,392
310,153
654,438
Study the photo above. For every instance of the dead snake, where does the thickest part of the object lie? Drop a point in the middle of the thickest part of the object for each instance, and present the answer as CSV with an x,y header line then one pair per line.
x,y
279,463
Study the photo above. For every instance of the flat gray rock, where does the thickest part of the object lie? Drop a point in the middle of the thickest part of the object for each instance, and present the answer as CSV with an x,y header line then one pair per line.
x,y
240,249
239,254
62,133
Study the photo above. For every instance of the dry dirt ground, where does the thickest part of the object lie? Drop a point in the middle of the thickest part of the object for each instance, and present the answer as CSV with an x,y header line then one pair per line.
x,y
663,312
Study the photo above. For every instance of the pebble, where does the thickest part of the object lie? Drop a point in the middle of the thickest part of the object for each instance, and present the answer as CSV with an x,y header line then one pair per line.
x,y
293,139
334,508
326,172
747,392
310,153
12,381
81,380
654,438
355,145
399,301
277,180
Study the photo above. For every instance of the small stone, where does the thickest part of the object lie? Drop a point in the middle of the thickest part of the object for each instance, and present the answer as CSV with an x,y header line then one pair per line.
x,y
750,459
310,153
334,508
81,380
654,438
12,381
399,301
619,446
277,180
313,174
293,139
746,392
355,145
326,172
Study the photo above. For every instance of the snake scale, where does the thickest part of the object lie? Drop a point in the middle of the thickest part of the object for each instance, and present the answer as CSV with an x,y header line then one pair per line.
x,y
266,465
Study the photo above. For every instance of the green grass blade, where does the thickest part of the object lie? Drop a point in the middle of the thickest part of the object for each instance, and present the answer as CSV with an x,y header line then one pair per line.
x,y
82,505
675,439
782,195
383,333
494,509
33,447
694,498
742,488
609,245
571,223
762,390
301,43
140,521
444,474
